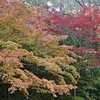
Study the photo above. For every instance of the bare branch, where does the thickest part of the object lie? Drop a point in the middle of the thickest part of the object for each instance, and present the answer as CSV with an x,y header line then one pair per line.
x,y
79,3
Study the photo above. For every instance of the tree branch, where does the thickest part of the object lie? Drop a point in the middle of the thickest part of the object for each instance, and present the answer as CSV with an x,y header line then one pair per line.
x,y
79,3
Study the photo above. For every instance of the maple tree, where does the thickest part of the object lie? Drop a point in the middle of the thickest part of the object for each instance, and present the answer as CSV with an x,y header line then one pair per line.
x,y
25,45
82,28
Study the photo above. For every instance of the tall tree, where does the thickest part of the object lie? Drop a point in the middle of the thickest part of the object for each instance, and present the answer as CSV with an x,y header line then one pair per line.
x,y
30,58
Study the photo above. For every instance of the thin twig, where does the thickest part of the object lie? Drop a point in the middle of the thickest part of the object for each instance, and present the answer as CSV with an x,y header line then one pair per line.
x,y
79,3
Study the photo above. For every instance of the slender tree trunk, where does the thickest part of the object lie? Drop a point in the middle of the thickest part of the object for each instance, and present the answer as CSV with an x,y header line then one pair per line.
x,y
75,93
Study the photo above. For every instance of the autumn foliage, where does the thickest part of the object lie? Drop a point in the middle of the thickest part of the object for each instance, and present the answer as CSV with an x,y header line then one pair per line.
x,y
83,28
30,58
